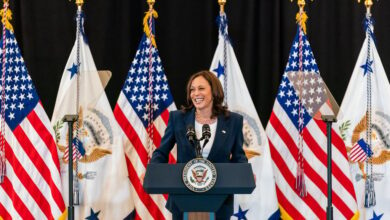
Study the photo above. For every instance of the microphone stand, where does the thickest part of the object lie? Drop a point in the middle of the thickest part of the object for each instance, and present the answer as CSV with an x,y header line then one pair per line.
x,y
70,119
198,148
196,142
329,119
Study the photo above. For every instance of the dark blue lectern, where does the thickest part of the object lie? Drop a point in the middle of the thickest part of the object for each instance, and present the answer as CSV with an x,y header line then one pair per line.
x,y
232,178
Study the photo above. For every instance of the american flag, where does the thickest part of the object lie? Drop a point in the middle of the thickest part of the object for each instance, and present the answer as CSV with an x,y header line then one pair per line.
x,y
360,151
287,119
78,151
132,113
32,186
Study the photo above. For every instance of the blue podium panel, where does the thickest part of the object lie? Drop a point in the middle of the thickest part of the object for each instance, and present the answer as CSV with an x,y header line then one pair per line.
x,y
232,178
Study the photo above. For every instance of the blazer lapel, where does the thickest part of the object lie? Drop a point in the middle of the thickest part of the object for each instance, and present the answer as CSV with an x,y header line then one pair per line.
x,y
220,136
189,118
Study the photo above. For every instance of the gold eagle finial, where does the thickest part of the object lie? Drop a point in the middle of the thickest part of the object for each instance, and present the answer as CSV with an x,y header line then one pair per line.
x,y
79,3
151,3
221,5
368,4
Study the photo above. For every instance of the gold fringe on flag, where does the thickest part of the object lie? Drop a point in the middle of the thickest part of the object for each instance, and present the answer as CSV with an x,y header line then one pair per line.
x,y
356,216
5,18
147,30
63,216
284,214
301,18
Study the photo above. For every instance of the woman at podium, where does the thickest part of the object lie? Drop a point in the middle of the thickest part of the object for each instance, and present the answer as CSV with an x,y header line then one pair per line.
x,y
225,140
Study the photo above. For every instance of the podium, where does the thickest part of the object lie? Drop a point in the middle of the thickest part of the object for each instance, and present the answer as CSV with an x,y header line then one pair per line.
x,y
232,178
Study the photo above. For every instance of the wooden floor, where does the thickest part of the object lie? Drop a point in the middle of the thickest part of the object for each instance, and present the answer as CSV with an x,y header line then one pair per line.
x,y
199,216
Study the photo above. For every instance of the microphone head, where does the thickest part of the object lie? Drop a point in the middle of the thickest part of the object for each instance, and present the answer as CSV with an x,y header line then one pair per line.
x,y
206,133
190,134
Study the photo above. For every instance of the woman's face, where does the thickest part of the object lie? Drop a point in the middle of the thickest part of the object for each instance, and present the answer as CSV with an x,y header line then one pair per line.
x,y
200,93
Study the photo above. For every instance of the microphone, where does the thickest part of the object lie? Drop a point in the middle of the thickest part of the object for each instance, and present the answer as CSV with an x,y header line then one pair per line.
x,y
206,133
190,134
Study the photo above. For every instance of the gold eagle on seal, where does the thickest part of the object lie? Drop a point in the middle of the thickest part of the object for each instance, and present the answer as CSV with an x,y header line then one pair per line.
x,y
94,132
380,138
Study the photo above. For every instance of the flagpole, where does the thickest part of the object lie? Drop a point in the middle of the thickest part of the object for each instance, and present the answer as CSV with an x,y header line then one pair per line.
x,y
75,190
148,29
71,119
369,197
328,119
3,72
300,184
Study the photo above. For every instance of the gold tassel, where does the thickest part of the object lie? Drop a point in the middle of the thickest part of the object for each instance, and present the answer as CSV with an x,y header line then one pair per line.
x,y
147,31
5,18
301,20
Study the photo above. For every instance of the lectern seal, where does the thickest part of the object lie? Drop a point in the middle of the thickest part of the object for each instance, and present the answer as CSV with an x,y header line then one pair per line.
x,y
199,175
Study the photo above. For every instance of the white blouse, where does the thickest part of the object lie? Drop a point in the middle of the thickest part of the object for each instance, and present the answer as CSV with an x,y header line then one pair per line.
x,y
213,130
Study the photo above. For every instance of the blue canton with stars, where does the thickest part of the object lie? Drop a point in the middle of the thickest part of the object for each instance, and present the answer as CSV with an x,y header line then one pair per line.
x,y
287,96
20,95
136,88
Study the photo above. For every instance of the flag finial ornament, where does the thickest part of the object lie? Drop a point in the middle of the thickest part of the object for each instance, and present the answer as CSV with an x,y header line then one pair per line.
x,y
368,4
151,3
301,4
79,3
221,5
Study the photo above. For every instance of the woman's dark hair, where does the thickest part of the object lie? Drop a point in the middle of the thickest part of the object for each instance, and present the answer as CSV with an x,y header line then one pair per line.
x,y
216,91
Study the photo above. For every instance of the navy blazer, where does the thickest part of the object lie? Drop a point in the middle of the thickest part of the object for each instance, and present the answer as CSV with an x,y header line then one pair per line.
x,y
227,147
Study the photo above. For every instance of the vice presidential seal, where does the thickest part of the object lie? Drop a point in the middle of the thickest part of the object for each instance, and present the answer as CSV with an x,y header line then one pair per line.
x,y
199,175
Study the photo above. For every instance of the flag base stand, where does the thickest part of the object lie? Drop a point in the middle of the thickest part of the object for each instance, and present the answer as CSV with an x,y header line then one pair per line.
x,y
329,119
70,119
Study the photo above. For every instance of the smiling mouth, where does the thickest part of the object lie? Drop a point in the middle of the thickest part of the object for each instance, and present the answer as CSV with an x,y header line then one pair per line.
x,y
198,100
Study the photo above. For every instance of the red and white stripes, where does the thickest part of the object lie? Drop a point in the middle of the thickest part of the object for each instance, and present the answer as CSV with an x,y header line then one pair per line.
x,y
136,135
32,188
281,133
